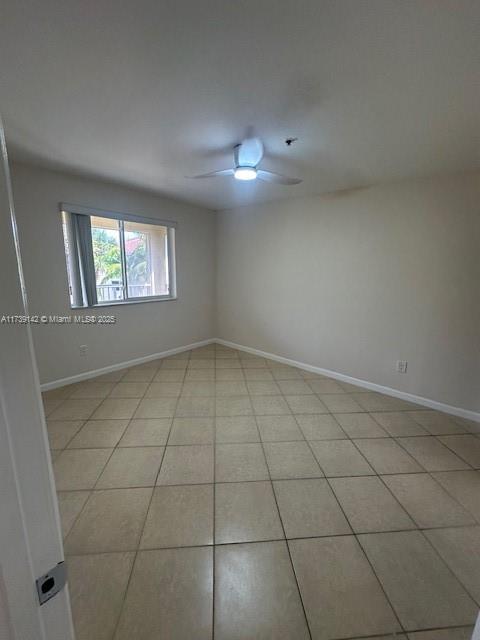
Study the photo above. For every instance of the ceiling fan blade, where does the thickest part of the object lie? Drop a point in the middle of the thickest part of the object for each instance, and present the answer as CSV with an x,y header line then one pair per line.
x,y
248,153
214,174
269,176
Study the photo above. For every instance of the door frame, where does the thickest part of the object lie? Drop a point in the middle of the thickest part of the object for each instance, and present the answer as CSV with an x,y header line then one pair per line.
x,y
32,535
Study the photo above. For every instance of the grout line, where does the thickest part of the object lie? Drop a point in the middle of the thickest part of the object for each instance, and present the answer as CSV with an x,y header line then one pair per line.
x,y
351,534
272,487
451,571
120,611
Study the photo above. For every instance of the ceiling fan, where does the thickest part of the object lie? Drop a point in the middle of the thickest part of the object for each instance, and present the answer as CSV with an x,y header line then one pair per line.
x,y
247,156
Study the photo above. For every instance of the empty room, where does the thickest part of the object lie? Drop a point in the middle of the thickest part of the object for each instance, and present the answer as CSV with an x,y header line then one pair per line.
x,y
240,320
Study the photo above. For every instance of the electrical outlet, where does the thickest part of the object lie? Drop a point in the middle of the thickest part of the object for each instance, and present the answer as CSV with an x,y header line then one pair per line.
x,y
401,366
83,349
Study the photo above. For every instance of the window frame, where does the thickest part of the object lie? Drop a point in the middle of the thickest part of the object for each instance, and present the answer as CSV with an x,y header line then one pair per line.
x,y
171,227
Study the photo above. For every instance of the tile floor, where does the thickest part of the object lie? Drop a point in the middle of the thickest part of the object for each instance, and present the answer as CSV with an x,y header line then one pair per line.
x,y
218,494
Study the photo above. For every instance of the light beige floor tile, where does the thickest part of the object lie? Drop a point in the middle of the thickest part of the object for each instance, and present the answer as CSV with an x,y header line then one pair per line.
x,y
179,365
112,376
169,375
116,409
466,447
207,351
285,373
99,434
386,456
432,454
360,425
193,407
294,387
70,503
277,428
460,549
352,388
60,432
236,429
93,390
97,585
320,427
269,405
240,462
170,596
372,401
131,467
325,386
228,374
291,460
79,468
311,375
156,408
399,423
233,406
246,512
140,374
192,431
191,464
164,389
419,585
257,374
369,505
426,501
253,363
263,388
54,454
200,375
49,406
340,458
341,595
228,363
129,390
75,409
146,433
198,389
111,520
340,403
437,423
180,516
308,508
306,404
256,595
202,353
464,486
231,388
458,633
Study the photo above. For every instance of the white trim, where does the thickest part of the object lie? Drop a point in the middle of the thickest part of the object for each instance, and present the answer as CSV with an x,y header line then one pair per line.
x,y
115,215
85,375
403,395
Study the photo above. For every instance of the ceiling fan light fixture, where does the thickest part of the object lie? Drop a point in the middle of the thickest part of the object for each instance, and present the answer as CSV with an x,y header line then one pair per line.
x,y
245,173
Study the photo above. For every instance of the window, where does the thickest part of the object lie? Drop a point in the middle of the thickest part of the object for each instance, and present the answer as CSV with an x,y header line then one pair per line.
x,y
117,258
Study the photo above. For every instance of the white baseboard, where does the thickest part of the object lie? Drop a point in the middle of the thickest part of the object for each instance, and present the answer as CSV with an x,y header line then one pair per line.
x,y
85,375
403,395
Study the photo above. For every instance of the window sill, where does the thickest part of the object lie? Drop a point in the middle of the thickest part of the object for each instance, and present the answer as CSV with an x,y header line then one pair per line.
x,y
121,303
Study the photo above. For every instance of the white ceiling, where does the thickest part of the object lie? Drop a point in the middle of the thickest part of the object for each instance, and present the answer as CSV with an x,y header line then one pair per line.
x,y
148,91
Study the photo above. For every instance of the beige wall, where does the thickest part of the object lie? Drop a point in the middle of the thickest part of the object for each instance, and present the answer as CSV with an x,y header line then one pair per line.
x,y
141,329
353,282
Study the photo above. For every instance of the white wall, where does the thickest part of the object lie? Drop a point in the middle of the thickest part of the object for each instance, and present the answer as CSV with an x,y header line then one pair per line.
x,y
141,329
352,282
